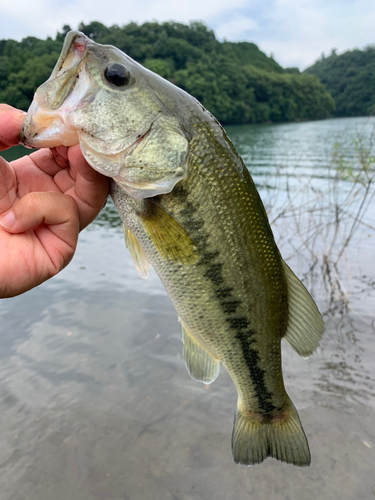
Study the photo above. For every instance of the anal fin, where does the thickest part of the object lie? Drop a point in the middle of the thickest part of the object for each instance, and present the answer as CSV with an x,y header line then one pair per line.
x,y
137,254
305,325
201,365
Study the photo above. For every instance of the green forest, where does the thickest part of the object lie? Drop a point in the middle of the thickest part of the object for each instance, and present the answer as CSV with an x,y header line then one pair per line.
x,y
236,82
350,79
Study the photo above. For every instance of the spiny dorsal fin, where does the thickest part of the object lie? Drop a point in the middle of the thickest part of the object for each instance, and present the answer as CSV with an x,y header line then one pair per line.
x,y
200,364
168,236
137,254
305,326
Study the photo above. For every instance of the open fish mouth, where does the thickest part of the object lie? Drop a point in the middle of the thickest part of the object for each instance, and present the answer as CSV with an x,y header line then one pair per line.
x,y
47,129
47,122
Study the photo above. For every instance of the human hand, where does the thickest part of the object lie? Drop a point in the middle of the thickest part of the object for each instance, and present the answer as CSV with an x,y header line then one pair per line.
x,y
46,198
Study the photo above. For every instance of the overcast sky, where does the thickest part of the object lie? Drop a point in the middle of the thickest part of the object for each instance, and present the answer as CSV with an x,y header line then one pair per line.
x,y
296,32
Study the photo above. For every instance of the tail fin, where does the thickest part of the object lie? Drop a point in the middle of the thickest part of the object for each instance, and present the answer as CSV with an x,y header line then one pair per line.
x,y
282,437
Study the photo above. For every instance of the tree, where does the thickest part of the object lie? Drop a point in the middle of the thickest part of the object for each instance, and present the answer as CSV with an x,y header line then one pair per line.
x,y
236,82
350,78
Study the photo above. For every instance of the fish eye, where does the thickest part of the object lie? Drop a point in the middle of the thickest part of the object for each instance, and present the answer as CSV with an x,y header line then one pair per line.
x,y
117,74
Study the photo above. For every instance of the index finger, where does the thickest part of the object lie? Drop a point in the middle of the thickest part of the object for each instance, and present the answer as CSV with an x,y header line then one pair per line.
x,y
90,189
10,126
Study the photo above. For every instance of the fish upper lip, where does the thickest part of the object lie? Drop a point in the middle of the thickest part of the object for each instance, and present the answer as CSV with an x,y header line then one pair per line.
x,y
82,43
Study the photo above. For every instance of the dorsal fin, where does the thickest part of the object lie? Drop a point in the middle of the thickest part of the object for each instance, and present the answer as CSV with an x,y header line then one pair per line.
x,y
305,323
200,364
137,254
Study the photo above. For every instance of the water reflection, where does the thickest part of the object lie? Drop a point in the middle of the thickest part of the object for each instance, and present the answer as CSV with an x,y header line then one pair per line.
x,y
108,217
94,395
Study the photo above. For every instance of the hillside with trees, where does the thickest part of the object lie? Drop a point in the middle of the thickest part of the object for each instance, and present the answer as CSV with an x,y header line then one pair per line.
x,y
236,82
350,79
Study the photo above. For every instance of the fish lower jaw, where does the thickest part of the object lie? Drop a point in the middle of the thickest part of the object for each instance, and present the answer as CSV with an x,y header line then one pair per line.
x,y
46,129
43,138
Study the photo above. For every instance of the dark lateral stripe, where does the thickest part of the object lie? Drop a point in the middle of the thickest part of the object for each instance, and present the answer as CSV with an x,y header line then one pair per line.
x,y
256,373
207,258
230,306
224,293
240,324
214,274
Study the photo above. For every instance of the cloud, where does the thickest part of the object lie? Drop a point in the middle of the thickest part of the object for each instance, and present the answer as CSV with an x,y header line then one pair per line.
x,y
238,29
298,32
45,17
295,32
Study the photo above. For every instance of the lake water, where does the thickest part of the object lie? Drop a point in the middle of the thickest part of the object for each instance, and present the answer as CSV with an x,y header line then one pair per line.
x,y
95,400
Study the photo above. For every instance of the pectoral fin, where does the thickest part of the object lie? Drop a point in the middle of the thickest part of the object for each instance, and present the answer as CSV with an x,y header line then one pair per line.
x,y
200,364
137,254
305,326
168,236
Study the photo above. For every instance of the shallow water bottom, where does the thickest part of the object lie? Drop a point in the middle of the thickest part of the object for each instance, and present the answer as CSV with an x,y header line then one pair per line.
x,y
96,402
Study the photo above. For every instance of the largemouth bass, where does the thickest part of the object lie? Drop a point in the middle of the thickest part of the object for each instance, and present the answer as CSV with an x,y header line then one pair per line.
x,y
190,208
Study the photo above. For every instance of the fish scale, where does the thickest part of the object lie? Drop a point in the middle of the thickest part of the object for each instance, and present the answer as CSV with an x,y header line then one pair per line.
x,y
190,208
219,253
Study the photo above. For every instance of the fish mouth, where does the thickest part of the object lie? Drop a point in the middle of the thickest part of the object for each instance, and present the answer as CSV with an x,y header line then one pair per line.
x,y
46,129
46,123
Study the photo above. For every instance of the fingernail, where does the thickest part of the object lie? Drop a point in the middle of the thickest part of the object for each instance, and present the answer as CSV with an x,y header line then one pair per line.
x,y
8,221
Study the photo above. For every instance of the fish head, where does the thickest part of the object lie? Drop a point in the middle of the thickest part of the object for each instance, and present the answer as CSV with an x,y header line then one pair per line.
x,y
122,115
